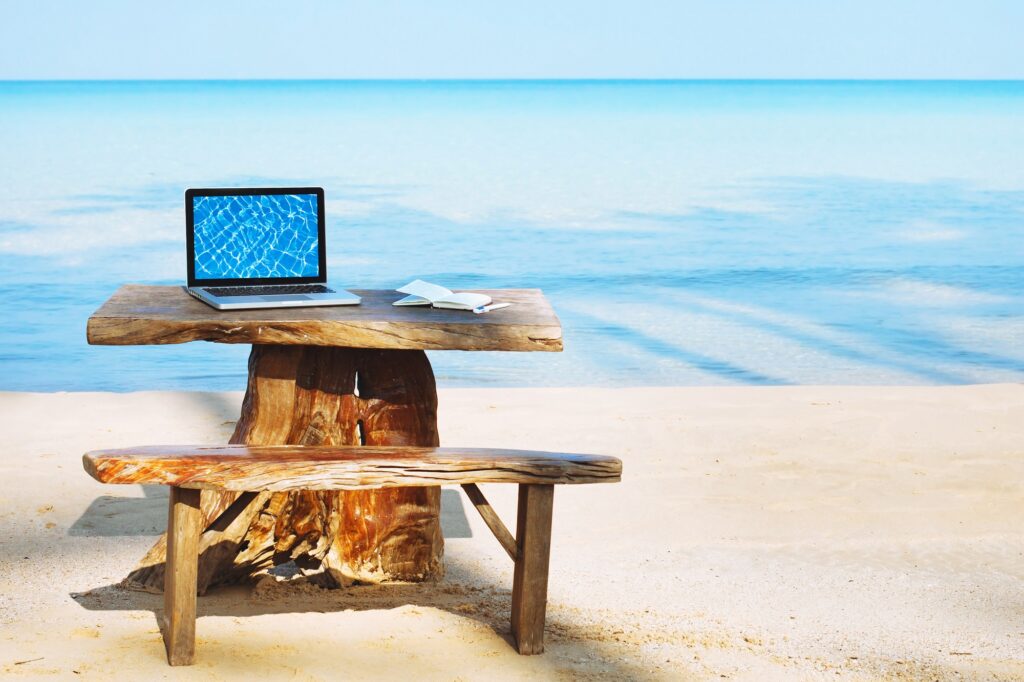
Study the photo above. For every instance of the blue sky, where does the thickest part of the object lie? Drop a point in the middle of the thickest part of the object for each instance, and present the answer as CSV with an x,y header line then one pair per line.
x,y
524,39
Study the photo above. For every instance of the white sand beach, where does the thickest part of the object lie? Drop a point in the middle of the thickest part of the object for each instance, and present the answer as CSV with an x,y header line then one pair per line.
x,y
778,533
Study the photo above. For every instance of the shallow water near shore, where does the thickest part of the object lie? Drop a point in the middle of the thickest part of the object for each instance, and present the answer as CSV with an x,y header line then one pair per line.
x,y
687,233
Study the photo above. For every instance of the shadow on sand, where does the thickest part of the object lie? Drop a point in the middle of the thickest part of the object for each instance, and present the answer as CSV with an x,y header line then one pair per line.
x,y
106,516
463,597
463,592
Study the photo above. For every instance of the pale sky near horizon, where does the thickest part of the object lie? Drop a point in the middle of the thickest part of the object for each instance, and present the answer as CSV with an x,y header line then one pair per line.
x,y
107,39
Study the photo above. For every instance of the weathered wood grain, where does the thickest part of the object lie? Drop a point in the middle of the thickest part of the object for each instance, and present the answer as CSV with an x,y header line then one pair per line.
x,y
183,529
530,577
492,519
310,396
221,543
148,574
278,468
314,380
144,315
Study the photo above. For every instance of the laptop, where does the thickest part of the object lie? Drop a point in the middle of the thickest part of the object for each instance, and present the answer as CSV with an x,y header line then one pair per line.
x,y
259,248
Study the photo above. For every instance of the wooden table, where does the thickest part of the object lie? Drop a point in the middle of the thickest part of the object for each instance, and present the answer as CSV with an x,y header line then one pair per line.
x,y
345,375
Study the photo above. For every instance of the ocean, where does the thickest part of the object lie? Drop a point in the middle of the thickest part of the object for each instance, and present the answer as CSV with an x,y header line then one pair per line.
x,y
686,232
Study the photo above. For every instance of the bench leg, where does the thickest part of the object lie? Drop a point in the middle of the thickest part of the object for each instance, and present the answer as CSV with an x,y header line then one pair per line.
x,y
530,581
184,526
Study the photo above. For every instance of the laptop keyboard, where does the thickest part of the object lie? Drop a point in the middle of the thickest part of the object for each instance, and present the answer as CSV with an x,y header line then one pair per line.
x,y
270,290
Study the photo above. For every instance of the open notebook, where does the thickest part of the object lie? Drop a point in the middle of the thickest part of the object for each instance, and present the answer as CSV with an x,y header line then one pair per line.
x,y
425,293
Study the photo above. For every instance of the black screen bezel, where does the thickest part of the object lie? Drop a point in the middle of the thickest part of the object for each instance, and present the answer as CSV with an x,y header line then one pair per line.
x,y
320,278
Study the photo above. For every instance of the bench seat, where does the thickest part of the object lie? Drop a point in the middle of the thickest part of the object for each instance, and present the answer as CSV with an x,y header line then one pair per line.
x,y
303,467
257,471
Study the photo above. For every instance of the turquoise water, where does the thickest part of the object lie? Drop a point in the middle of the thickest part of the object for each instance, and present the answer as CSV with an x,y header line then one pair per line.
x,y
687,232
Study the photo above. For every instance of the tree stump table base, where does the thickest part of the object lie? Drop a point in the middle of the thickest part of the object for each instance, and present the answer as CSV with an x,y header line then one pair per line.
x,y
315,395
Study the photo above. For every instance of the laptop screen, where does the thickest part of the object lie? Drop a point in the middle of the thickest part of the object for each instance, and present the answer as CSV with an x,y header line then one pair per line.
x,y
260,236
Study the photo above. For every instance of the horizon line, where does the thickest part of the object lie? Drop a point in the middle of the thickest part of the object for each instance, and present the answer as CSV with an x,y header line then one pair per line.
x,y
513,80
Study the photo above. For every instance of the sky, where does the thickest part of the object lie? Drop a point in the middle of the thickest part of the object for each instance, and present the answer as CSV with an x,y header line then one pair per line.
x,y
255,39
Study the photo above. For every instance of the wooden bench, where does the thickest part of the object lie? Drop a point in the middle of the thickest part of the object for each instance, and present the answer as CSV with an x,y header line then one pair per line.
x,y
251,470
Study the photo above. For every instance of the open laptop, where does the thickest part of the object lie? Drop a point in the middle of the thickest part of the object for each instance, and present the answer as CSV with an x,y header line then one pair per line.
x,y
259,248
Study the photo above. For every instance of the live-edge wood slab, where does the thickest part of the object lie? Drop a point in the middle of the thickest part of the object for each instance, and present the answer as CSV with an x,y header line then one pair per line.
x,y
305,467
143,315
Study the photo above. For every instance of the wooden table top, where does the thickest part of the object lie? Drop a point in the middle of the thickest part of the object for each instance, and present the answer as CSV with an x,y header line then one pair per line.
x,y
147,315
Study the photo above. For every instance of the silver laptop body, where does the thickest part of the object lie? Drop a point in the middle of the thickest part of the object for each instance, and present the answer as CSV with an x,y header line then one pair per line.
x,y
259,248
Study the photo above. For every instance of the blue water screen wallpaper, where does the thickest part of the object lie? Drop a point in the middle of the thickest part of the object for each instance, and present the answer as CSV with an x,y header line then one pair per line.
x,y
266,235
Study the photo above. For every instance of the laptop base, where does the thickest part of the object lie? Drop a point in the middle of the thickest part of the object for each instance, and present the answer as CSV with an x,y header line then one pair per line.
x,y
278,301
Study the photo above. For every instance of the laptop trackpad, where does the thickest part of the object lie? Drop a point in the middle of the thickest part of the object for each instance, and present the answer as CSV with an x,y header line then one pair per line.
x,y
289,297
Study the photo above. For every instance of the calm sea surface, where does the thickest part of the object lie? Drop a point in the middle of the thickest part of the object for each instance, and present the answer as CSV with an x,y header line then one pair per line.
x,y
686,232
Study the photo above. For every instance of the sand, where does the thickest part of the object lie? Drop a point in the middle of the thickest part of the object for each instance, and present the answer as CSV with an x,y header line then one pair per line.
x,y
778,533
